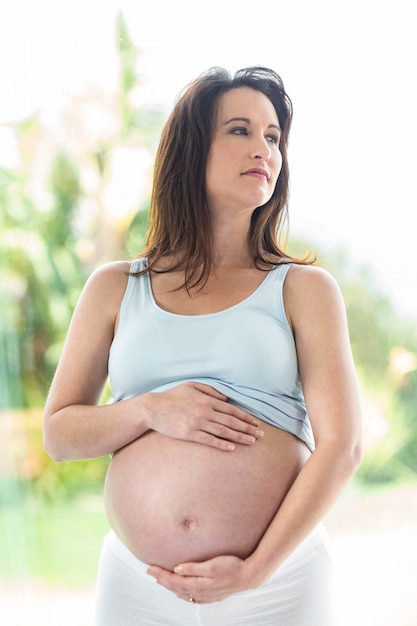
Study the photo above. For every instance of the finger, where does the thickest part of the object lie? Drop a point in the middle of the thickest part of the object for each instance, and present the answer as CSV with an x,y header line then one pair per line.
x,y
234,411
219,436
210,391
173,582
206,439
197,570
230,434
236,424
224,406
186,598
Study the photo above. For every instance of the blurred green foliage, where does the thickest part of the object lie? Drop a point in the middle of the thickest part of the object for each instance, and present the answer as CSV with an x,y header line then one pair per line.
x,y
68,208
38,542
56,225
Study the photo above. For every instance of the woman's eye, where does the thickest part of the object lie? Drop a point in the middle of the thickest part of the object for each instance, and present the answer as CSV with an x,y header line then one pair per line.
x,y
273,138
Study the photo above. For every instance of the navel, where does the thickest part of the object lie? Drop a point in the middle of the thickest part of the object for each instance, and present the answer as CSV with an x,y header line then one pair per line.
x,y
188,523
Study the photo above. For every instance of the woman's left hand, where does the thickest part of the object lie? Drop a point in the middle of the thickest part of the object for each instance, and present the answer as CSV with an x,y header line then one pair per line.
x,y
209,581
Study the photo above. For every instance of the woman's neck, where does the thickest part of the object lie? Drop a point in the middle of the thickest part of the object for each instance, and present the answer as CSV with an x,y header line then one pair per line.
x,y
230,243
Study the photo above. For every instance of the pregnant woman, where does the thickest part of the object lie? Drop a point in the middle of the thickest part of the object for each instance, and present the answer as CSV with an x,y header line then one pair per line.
x,y
236,414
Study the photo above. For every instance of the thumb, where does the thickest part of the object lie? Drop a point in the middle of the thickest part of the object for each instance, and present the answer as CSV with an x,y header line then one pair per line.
x,y
192,569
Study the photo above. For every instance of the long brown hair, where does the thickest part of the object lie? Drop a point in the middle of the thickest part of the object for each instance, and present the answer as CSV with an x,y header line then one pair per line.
x,y
179,219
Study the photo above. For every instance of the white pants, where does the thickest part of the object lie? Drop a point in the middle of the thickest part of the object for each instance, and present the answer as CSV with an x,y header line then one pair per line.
x,y
298,594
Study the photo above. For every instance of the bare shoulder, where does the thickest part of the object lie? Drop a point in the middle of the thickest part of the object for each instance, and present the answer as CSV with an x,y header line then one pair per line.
x,y
310,278
311,293
111,274
104,290
111,278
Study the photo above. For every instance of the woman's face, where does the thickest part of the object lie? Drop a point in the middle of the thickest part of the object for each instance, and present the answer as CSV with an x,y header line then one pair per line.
x,y
244,160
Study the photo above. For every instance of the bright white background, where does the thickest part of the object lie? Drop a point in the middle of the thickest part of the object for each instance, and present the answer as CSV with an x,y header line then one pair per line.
x,y
349,67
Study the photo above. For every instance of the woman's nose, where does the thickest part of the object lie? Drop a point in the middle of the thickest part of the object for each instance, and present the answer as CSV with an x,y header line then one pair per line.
x,y
261,149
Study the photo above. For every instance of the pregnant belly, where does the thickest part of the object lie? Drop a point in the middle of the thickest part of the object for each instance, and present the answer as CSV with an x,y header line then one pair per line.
x,y
172,501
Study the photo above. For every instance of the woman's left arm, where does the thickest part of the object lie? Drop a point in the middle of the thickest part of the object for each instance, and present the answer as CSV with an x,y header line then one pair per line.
x,y
316,312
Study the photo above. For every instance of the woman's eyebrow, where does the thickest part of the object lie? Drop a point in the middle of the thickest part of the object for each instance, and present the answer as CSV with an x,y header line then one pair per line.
x,y
247,121
238,119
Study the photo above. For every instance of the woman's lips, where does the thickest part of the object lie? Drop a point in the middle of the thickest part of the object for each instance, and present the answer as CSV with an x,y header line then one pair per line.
x,y
258,172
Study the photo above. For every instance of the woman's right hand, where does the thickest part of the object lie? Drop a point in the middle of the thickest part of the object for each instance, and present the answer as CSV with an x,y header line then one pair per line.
x,y
197,412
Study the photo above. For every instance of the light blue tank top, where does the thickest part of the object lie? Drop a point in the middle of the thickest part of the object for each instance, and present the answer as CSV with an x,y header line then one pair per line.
x,y
246,352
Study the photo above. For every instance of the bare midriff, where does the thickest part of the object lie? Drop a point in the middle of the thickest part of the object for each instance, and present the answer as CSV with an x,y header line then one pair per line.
x,y
172,501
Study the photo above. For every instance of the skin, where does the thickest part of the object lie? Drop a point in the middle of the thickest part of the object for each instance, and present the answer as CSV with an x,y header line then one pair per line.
x,y
75,428
241,145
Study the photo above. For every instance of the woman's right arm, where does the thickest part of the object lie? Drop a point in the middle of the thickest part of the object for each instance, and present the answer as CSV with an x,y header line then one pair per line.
x,y
75,428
